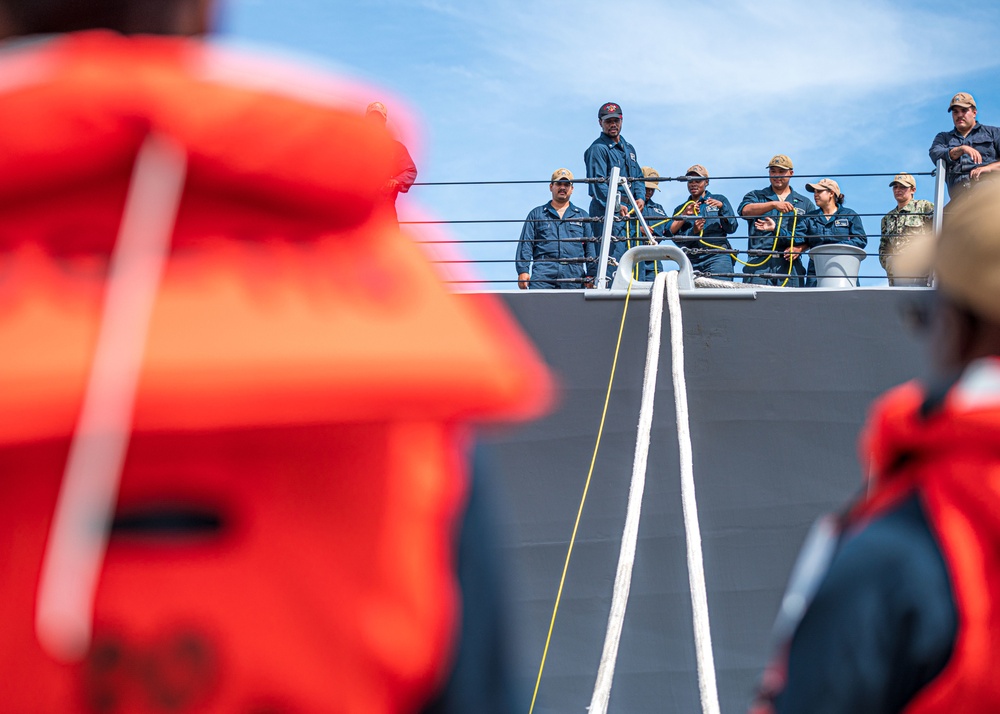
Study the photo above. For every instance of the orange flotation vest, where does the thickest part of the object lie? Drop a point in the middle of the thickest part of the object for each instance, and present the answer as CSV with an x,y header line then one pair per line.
x,y
306,383
951,459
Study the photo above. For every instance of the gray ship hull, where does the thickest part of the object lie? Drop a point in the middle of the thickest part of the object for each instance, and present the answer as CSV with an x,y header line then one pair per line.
x,y
778,388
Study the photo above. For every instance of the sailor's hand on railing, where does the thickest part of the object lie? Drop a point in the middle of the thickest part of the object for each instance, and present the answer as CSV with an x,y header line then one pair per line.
x,y
588,282
793,251
522,281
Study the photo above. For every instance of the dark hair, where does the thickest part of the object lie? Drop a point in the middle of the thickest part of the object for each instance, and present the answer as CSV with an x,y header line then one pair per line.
x,y
840,200
33,17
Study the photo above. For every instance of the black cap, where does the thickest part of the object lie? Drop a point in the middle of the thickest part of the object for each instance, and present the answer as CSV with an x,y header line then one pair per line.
x,y
609,110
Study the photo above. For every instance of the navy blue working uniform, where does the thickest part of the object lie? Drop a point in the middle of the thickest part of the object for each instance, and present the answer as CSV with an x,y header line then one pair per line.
x,y
600,157
767,240
842,228
657,220
984,139
882,625
720,222
560,251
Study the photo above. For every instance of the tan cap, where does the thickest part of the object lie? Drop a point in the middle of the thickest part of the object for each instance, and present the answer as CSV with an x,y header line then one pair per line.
x,y
378,107
781,162
650,172
904,180
962,99
562,175
697,170
824,183
967,256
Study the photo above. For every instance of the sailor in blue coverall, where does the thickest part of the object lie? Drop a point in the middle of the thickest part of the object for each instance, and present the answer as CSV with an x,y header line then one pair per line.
x,y
609,150
657,220
969,150
785,207
557,242
706,221
830,223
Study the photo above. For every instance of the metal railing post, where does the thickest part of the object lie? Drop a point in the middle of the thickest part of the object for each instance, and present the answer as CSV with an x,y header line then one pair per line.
x,y
609,210
939,184
638,213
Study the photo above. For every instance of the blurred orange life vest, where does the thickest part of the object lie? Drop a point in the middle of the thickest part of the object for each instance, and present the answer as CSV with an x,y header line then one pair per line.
x,y
297,439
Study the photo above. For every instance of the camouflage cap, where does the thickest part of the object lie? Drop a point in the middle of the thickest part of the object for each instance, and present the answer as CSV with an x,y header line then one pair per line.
x,y
905,180
826,183
962,99
697,170
562,175
650,172
781,162
378,108
967,254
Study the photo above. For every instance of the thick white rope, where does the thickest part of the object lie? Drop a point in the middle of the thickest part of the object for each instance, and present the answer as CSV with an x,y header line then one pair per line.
x,y
707,688
626,556
80,527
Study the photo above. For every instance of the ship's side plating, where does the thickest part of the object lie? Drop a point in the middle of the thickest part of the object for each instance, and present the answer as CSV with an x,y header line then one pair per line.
x,y
779,382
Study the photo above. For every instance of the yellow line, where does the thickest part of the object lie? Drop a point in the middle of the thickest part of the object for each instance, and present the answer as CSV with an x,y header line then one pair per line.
x,y
579,513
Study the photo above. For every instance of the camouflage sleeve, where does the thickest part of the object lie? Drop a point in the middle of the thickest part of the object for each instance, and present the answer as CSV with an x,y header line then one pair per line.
x,y
883,243
927,208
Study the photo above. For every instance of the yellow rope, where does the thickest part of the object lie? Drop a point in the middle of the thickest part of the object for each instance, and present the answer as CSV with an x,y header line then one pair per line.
x,y
579,513
628,245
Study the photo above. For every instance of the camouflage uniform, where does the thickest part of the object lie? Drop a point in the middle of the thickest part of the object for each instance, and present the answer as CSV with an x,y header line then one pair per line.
x,y
899,226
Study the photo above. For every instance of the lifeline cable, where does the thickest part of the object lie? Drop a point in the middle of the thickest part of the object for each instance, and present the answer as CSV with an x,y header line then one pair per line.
x,y
583,500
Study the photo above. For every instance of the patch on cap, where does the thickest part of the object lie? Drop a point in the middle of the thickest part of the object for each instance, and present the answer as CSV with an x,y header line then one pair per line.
x,y
609,110
824,183
967,255
562,175
650,172
378,107
962,99
904,180
781,162
697,170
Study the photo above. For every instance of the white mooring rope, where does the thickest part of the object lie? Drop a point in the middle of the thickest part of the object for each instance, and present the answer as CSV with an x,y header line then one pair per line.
x,y
696,572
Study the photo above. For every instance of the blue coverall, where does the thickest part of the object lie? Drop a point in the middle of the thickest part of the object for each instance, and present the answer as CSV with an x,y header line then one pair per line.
x,y
657,220
719,223
984,139
767,240
843,227
600,157
562,250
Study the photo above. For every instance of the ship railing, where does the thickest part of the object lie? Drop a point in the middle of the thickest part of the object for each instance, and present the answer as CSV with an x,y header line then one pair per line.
x,y
485,255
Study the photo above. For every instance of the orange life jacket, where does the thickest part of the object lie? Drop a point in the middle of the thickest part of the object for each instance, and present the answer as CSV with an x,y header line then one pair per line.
x,y
306,380
952,460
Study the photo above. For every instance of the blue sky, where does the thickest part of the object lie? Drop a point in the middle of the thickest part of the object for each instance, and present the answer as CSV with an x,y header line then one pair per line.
x,y
509,90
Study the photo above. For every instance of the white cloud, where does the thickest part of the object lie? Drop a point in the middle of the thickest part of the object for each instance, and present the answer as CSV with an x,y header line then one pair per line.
x,y
510,90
